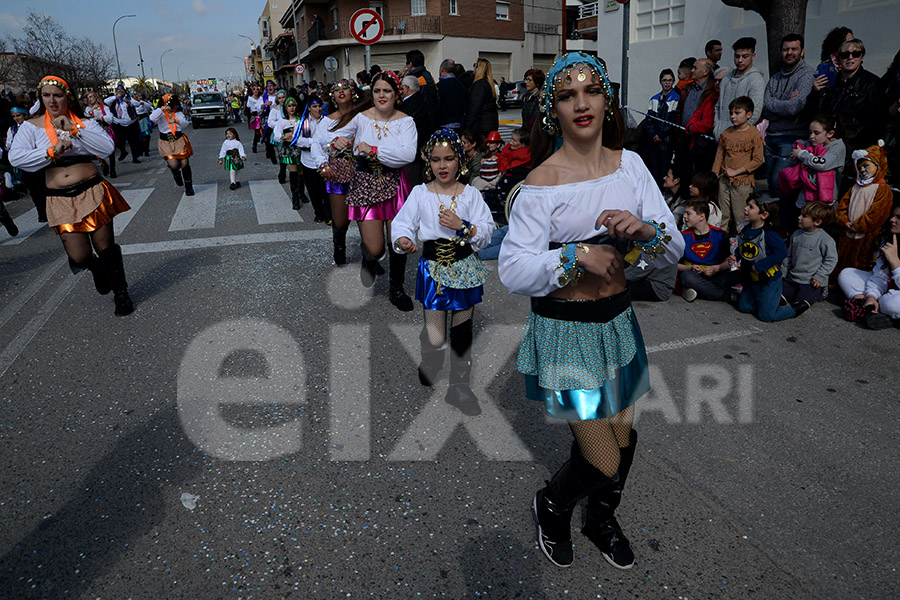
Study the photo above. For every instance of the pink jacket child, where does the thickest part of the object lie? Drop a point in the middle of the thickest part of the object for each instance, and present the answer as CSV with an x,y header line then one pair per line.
x,y
797,177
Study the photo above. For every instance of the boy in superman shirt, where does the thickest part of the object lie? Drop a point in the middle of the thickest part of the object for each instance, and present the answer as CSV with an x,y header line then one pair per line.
x,y
705,270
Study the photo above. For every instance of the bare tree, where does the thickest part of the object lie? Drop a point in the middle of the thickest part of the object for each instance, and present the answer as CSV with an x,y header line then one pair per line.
x,y
781,16
47,48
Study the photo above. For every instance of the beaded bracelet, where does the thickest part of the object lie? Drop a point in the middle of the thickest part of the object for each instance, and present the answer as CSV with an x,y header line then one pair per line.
x,y
657,245
464,233
568,262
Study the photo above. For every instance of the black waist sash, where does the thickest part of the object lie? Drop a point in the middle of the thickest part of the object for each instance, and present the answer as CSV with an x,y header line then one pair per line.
x,y
76,188
445,251
602,310
623,246
170,137
371,165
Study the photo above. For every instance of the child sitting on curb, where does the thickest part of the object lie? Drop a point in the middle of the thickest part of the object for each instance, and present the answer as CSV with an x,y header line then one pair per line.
x,y
706,268
812,256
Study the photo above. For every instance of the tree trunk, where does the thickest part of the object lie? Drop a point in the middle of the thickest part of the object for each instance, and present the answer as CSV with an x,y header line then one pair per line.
x,y
782,17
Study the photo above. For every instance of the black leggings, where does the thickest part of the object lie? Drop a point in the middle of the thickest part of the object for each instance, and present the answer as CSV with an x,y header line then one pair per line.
x,y
79,245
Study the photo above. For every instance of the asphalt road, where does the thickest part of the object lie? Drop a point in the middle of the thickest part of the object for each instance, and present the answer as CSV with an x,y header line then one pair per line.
x,y
281,398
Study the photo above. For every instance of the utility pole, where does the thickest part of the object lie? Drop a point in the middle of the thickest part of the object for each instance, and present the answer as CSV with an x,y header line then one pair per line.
x,y
143,75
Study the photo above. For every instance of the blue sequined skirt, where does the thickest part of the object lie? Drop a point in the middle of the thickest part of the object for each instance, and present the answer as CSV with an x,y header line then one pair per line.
x,y
584,371
450,298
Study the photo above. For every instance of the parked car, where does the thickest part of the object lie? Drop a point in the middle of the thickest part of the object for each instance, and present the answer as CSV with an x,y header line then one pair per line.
x,y
515,94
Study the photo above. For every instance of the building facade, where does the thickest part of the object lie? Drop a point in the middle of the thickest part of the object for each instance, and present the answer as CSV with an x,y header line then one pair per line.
x,y
513,35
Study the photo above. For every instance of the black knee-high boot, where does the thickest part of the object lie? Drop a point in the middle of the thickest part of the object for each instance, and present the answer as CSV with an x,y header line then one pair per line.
x,y
397,275
112,165
432,359
294,178
176,175
339,239
459,394
115,270
553,506
188,181
101,278
370,268
600,524
7,221
282,172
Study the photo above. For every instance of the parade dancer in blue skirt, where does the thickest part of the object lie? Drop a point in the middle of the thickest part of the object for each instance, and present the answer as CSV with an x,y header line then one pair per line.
x,y
450,220
585,207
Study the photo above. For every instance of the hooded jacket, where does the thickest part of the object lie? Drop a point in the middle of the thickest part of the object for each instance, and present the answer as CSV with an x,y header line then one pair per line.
x,y
750,83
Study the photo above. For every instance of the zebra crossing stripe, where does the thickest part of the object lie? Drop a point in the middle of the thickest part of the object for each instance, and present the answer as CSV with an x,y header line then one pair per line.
x,y
197,211
135,199
28,225
272,203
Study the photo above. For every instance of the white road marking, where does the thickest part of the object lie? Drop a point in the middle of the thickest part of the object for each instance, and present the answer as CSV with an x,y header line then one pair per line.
x,y
135,199
36,284
197,211
272,203
28,225
703,339
9,354
123,184
229,240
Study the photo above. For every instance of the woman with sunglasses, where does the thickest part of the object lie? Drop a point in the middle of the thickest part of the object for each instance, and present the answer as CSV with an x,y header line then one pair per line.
x,y
855,96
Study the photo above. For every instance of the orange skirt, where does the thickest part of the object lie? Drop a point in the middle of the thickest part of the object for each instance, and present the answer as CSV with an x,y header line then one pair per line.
x,y
179,149
109,202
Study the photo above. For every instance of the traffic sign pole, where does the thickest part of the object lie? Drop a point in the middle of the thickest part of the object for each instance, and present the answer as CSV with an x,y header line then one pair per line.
x,y
368,58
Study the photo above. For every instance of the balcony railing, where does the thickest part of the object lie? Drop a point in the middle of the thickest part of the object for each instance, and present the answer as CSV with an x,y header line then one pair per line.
x,y
542,28
588,10
408,25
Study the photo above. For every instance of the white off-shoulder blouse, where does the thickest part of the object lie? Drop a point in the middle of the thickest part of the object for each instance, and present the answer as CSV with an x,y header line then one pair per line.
x,y
567,213
29,148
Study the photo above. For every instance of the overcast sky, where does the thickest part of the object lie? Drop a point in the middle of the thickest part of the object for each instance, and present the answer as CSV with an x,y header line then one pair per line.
x,y
203,34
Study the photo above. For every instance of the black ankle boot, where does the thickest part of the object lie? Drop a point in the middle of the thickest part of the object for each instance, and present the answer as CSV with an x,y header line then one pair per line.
x,y
553,506
176,175
369,269
294,178
115,270
188,181
339,239
432,359
282,173
398,296
459,394
600,524
8,222
95,266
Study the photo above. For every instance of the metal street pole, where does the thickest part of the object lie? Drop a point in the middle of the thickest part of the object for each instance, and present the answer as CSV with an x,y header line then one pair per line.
x,y
141,56
118,68
244,67
626,31
162,72
249,38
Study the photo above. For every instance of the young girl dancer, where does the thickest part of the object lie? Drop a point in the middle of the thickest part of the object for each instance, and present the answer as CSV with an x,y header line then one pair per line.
x,y
276,114
384,141
343,100
255,108
174,147
449,218
80,204
582,353
287,132
233,156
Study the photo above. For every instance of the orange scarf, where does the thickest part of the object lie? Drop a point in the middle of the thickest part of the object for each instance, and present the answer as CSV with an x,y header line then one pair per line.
x,y
170,123
51,131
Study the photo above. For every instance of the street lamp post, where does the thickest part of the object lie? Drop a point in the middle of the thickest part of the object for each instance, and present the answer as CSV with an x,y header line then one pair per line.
x,y
248,38
118,68
162,72
243,68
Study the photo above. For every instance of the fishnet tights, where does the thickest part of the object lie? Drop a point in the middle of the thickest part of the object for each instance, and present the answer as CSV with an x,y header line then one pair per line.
x,y
78,245
436,323
600,440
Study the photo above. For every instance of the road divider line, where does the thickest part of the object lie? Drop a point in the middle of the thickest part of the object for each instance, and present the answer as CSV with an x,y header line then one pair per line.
x,y
197,211
9,354
703,339
272,203
230,240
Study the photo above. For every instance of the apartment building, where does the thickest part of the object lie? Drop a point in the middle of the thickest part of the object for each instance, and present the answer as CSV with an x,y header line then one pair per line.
x,y
513,35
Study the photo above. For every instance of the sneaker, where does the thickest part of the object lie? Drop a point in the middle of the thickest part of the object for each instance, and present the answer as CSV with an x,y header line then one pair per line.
x,y
783,301
800,307
689,294
232,187
878,321
238,184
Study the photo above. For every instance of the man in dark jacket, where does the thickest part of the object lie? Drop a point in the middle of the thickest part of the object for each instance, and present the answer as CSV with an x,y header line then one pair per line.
x,y
414,106
451,107
415,66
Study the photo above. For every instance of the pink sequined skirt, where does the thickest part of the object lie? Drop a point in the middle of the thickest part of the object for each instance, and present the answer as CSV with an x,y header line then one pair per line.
x,y
383,211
